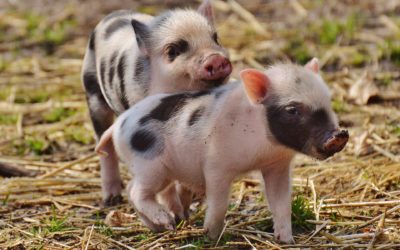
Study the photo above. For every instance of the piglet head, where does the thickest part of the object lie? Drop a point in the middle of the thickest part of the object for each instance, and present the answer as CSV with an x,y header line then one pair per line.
x,y
183,50
297,108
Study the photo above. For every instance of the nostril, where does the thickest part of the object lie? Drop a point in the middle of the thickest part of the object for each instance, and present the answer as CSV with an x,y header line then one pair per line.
x,y
209,68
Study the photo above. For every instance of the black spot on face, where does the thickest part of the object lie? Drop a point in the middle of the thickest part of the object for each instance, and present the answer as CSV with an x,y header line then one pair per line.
x,y
195,116
297,126
121,75
92,39
142,140
173,50
170,105
115,26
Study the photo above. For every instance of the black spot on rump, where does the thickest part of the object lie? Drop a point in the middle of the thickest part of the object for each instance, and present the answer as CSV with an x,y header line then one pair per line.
x,y
115,26
92,39
142,140
195,116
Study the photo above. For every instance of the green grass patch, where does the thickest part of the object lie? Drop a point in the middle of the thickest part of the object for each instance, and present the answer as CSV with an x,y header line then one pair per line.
x,y
79,134
338,106
58,114
301,211
6,119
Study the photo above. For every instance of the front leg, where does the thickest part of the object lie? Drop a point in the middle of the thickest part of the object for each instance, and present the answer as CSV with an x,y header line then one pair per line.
x,y
277,181
217,197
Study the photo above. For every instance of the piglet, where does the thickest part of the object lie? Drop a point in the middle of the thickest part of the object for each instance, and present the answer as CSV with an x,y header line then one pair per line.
x,y
205,139
131,55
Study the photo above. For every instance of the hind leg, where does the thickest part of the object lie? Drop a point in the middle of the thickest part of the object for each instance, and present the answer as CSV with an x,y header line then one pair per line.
x,y
142,192
185,197
102,118
169,197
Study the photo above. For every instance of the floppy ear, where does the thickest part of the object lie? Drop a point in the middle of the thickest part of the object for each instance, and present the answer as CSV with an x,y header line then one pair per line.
x,y
142,33
206,10
256,85
313,65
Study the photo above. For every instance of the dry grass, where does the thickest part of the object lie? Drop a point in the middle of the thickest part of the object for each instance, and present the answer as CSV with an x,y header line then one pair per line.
x,y
349,201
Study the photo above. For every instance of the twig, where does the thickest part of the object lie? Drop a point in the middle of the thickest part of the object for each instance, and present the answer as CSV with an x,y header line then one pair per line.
x,y
69,165
90,236
319,228
394,209
386,153
246,15
222,232
252,246
378,231
360,204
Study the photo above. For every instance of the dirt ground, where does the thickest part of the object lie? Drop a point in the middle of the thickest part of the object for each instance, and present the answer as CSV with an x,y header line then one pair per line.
x,y
349,201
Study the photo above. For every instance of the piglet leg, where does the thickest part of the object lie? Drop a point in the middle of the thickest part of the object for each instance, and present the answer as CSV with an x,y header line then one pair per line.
x,y
142,193
278,191
169,197
186,197
217,197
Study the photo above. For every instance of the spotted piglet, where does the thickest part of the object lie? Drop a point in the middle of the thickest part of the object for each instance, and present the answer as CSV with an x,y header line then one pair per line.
x,y
205,139
132,55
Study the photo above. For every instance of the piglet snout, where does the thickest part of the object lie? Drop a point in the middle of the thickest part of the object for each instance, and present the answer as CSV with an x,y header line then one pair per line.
x,y
336,142
215,67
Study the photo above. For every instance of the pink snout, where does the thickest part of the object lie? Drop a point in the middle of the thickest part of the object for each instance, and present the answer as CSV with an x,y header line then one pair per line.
x,y
336,142
215,67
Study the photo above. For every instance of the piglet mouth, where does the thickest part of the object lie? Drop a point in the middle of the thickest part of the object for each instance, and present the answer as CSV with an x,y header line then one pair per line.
x,y
215,82
334,143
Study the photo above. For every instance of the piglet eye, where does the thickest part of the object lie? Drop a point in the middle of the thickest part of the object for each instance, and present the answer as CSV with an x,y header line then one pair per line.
x,y
175,49
172,52
291,110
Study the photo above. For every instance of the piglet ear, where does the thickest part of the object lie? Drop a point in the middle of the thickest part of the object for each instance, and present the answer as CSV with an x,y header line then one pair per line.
x,y
256,84
142,33
313,65
206,10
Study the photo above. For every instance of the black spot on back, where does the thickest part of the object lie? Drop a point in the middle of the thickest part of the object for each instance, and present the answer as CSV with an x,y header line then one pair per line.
x,y
92,39
170,105
121,75
111,72
115,26
142,140
195,116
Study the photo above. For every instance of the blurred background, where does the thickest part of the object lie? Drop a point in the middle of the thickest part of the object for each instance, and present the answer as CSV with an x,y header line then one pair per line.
x,y
44,123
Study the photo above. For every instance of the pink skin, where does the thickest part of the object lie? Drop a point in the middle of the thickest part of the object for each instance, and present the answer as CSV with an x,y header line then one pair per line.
x,y
215,67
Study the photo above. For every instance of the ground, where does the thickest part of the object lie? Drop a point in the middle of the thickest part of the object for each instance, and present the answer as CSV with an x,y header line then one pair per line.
x,y
349,201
